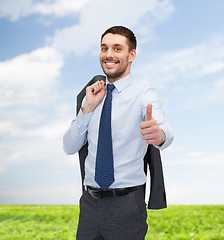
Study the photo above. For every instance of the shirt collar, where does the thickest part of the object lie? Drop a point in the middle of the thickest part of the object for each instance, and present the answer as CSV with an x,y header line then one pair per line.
x,y
122,83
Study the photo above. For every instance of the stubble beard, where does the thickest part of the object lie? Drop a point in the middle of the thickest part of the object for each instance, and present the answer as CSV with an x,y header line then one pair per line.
x,y
114,75
117,74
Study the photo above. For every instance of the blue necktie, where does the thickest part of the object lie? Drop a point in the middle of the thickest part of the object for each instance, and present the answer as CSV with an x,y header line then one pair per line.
x,y
104,172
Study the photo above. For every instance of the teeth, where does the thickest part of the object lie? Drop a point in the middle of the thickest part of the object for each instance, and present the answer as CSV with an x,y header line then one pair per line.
x,y
110,63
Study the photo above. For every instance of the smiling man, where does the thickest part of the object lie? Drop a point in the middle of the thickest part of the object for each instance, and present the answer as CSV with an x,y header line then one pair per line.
x,y
118,119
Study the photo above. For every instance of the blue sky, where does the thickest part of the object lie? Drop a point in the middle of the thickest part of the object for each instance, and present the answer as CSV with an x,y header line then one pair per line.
x,y
49,50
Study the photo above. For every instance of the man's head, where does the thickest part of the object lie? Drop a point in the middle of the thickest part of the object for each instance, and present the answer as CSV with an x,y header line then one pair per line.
x,y
118,46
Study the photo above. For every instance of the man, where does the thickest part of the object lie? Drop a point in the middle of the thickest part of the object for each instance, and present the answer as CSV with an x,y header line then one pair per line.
x,y
113,205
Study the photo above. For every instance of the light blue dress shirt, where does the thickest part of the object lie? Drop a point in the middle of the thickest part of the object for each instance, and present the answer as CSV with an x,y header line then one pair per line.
x,y
129,102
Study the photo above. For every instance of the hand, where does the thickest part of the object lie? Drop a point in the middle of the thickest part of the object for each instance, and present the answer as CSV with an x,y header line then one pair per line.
x,y
94,95
150,130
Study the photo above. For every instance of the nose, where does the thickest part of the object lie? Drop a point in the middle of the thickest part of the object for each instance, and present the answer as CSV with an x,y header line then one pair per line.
x,y
109,53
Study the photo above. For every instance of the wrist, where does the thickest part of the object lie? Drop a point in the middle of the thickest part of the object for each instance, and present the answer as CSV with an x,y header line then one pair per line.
x,y
87,109
162,137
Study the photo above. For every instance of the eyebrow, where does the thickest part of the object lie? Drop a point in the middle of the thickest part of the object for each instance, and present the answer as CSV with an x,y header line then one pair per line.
x,y
116,45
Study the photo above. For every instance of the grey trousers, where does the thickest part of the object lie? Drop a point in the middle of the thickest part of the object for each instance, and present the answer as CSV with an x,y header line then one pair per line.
x,y
113,218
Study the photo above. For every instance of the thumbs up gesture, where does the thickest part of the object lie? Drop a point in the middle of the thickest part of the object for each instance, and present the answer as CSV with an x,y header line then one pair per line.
x,y
150,130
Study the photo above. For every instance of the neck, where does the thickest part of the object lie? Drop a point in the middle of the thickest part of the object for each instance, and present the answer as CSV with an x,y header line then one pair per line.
x,y
112,80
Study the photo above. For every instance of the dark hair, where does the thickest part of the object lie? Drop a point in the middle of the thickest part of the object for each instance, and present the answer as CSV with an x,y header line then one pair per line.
x,y
132,43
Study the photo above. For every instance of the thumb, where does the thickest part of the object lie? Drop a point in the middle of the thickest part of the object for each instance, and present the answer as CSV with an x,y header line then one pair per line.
x,y
148,112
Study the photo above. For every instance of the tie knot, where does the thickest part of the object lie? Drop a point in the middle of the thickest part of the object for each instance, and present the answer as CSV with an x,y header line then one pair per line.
x,y
110,87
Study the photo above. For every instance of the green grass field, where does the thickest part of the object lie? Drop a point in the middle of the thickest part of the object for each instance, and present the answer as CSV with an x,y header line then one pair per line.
x,y
25,222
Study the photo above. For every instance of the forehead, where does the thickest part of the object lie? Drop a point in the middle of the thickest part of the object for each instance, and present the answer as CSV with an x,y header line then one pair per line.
x,y
114,39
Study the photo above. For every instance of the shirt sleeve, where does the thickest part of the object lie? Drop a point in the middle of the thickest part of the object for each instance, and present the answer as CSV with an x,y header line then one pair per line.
x,y
158,114
76,136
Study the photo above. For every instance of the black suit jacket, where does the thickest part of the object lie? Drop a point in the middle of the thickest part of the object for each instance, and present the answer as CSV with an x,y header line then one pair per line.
x,y
157,198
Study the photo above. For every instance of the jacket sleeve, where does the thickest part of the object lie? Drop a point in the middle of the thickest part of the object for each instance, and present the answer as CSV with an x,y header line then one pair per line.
x,y
157,198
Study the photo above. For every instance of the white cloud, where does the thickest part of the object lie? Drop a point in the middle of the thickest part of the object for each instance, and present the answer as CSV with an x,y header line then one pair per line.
x,y
94,17
15,9
217,89
23,8
192,78
187,64
59,7
52,129
35,143
27,78
193,176
32,115
189,157
200,194
59,194
98,15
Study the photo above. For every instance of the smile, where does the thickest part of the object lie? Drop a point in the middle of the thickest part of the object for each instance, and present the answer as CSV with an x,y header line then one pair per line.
x,y
110,63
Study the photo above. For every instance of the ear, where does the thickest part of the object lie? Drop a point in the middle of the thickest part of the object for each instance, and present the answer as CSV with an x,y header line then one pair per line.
x,y
132,55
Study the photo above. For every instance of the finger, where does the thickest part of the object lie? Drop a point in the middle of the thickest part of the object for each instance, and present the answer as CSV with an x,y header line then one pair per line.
x,y
154,141
151,136
145,131
147,137
103,83
97,87
148,112
145,124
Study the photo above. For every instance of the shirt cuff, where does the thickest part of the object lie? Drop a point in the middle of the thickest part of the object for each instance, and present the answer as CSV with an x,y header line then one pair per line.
x,y
169,138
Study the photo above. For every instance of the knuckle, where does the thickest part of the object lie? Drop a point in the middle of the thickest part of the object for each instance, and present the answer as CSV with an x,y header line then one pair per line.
x,y
155,129
153,121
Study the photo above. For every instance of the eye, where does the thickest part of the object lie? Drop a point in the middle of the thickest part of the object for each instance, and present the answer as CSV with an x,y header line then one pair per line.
x,y
117,49
104,49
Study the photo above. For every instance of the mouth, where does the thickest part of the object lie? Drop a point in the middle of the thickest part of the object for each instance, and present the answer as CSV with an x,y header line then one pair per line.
x,y
110,64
